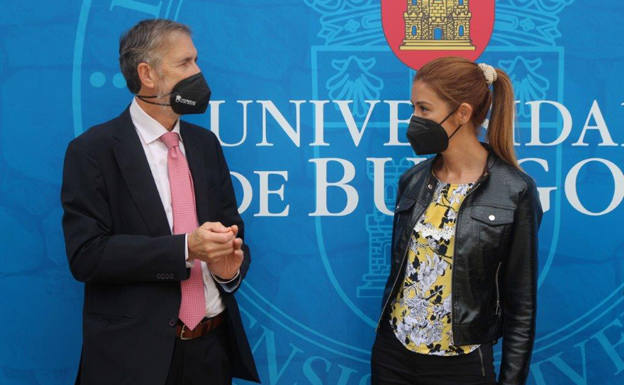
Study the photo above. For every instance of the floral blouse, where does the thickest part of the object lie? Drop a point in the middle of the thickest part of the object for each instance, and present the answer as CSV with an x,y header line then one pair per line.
x,y
421,313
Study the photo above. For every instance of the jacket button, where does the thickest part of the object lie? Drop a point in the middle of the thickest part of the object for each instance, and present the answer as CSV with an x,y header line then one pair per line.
x,y
172,322
429,186
491,217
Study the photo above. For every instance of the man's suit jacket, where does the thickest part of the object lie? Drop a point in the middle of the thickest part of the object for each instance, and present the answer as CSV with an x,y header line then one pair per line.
x,y
119,243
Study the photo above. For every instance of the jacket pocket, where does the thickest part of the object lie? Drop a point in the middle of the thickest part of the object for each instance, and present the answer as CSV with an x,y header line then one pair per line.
x,y
493,216
404,204
402,215
493,226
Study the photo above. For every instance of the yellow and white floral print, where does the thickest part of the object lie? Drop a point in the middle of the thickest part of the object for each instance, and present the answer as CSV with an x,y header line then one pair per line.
x,y
421,313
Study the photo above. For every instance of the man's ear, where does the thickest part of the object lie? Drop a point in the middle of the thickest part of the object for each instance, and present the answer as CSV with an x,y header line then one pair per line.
x,y
147,75
464,113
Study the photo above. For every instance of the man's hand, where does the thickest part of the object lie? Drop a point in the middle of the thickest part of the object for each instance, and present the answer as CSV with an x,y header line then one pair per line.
x,y
219,247
210,241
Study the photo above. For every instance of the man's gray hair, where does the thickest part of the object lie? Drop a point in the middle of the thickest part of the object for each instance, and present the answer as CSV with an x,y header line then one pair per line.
x,y
140,44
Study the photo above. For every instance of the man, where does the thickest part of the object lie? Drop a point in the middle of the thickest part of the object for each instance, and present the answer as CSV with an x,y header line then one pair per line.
x,y
152,228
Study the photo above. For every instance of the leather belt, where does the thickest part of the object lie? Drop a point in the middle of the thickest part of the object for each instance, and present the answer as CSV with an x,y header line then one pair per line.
x,y
204,327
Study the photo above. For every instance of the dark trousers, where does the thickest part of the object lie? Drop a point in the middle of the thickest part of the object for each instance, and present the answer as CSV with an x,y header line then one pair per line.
x,y
201,361
393,364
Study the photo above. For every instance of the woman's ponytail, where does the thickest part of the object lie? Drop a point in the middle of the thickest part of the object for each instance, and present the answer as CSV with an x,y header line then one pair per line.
x,y
500,128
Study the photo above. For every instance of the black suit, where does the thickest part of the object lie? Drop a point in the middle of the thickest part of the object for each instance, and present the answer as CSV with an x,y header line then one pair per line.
x,y
119,243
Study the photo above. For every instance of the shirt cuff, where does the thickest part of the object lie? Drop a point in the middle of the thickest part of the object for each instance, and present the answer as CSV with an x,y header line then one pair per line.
x,y
189,264
229,285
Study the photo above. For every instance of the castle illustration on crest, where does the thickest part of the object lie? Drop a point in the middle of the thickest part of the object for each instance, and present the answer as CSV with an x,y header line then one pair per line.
x,y
437,25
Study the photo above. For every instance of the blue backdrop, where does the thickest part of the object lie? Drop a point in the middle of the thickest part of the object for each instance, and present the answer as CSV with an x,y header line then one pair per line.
x,y
311,105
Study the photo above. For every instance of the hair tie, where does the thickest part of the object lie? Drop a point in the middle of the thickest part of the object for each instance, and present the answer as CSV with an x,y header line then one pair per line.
x,y
489,72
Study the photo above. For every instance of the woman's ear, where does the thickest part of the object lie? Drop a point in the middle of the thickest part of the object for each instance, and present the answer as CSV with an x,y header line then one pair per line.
x,y
464,113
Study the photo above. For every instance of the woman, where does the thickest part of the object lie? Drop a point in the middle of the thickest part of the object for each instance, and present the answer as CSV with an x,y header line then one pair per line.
x,y
464,243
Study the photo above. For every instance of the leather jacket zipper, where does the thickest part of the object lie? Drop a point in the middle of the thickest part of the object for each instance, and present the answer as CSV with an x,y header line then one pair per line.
x,y
498,308
454,254
383,309
482,364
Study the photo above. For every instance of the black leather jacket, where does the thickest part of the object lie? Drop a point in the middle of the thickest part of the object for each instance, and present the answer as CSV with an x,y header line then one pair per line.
x,y
494,278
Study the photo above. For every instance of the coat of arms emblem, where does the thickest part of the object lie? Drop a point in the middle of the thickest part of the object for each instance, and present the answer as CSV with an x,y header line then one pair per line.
x,y
421,30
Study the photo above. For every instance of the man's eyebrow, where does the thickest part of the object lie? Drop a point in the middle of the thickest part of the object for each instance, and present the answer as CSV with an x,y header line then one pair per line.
x,y
187,58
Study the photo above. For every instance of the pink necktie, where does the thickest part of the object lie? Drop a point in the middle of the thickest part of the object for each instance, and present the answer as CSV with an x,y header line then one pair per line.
x,y
193,306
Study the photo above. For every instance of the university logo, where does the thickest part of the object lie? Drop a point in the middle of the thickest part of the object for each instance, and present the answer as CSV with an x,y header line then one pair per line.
x,y
421,30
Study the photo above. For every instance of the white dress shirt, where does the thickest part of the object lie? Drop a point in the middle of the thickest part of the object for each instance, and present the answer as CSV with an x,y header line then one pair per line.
x,y
150,131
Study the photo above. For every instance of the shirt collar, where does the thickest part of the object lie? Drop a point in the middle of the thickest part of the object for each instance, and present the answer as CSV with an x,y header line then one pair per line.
x,y
148,128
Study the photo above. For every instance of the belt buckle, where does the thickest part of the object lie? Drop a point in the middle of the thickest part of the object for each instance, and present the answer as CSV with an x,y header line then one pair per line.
x,y
182,333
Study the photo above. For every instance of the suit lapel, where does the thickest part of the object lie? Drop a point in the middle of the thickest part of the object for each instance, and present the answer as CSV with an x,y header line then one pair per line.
x,y
138,176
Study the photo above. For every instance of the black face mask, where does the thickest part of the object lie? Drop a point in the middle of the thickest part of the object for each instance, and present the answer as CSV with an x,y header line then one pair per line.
x,y
189,96
427,136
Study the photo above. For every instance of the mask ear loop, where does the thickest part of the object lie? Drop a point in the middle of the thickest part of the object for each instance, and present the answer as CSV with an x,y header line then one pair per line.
x,y
144,98
447,116
454,132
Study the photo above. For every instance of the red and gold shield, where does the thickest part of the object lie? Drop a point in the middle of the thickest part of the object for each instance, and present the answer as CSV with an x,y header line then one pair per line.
x,y
419,31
